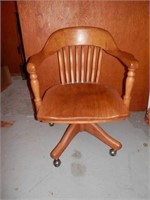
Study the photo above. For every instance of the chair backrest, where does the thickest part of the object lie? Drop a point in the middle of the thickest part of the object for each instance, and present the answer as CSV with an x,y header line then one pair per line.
x,y
79,51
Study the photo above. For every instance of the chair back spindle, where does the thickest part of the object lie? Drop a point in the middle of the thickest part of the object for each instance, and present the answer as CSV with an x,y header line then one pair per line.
x,y
79,64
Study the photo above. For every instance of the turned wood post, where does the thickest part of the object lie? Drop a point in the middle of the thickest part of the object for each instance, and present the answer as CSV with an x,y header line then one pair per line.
x,y
35,85
129,86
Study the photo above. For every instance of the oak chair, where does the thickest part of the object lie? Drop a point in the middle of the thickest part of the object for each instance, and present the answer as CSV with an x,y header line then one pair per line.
x,y
78,97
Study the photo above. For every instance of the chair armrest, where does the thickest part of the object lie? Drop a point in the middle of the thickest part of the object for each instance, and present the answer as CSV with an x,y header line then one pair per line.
x,y
131,63
37,59
125,58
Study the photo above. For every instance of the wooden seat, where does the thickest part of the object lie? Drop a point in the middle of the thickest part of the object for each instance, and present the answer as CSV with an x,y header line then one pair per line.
x,y
81,103
79,97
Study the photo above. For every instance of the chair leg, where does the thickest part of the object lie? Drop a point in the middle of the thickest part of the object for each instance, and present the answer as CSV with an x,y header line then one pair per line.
x,y
69,134
74,129
98,132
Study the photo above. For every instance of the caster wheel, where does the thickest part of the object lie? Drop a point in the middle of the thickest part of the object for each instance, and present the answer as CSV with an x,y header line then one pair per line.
x,y
57,163
112,152
51,124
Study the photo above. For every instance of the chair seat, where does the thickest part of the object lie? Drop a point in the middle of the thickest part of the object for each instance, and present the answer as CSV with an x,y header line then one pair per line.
x,y
81,103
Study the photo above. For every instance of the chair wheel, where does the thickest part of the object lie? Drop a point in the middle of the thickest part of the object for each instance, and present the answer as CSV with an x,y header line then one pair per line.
x,y
57,163
51,124
112,152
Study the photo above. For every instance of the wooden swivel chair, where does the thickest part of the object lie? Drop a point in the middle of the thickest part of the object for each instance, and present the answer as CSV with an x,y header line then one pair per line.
x,y
74,95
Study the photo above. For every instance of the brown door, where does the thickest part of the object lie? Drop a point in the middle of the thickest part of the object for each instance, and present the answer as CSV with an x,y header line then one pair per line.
x,y
11,53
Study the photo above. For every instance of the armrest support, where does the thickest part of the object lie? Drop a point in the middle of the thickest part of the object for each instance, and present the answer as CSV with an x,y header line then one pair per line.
x,y
34,84
33,63
132,64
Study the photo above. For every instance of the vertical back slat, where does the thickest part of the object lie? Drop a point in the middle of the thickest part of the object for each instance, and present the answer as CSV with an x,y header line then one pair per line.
x,y
72,63
94,64
89,63
83,62
77,57
79,64
99,66
61,66
66,62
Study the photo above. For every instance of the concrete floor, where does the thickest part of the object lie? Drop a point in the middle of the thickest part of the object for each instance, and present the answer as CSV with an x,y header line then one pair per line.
x,y
87,170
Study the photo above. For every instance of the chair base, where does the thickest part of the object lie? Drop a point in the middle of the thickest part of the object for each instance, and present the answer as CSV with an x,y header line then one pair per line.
x,y
74,129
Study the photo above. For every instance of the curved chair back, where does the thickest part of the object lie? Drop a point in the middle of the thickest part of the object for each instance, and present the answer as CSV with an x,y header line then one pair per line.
x,y
79,52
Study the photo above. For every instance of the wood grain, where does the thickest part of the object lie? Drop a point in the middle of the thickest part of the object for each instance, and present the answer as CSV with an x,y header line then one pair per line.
x,y
80,37
76,100
128,22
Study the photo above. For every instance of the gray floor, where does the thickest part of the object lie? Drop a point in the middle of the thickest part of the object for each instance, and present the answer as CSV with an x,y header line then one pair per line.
x,y
87,171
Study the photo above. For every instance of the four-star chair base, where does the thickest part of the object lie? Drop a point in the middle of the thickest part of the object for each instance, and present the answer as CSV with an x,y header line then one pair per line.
x,y
73,130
